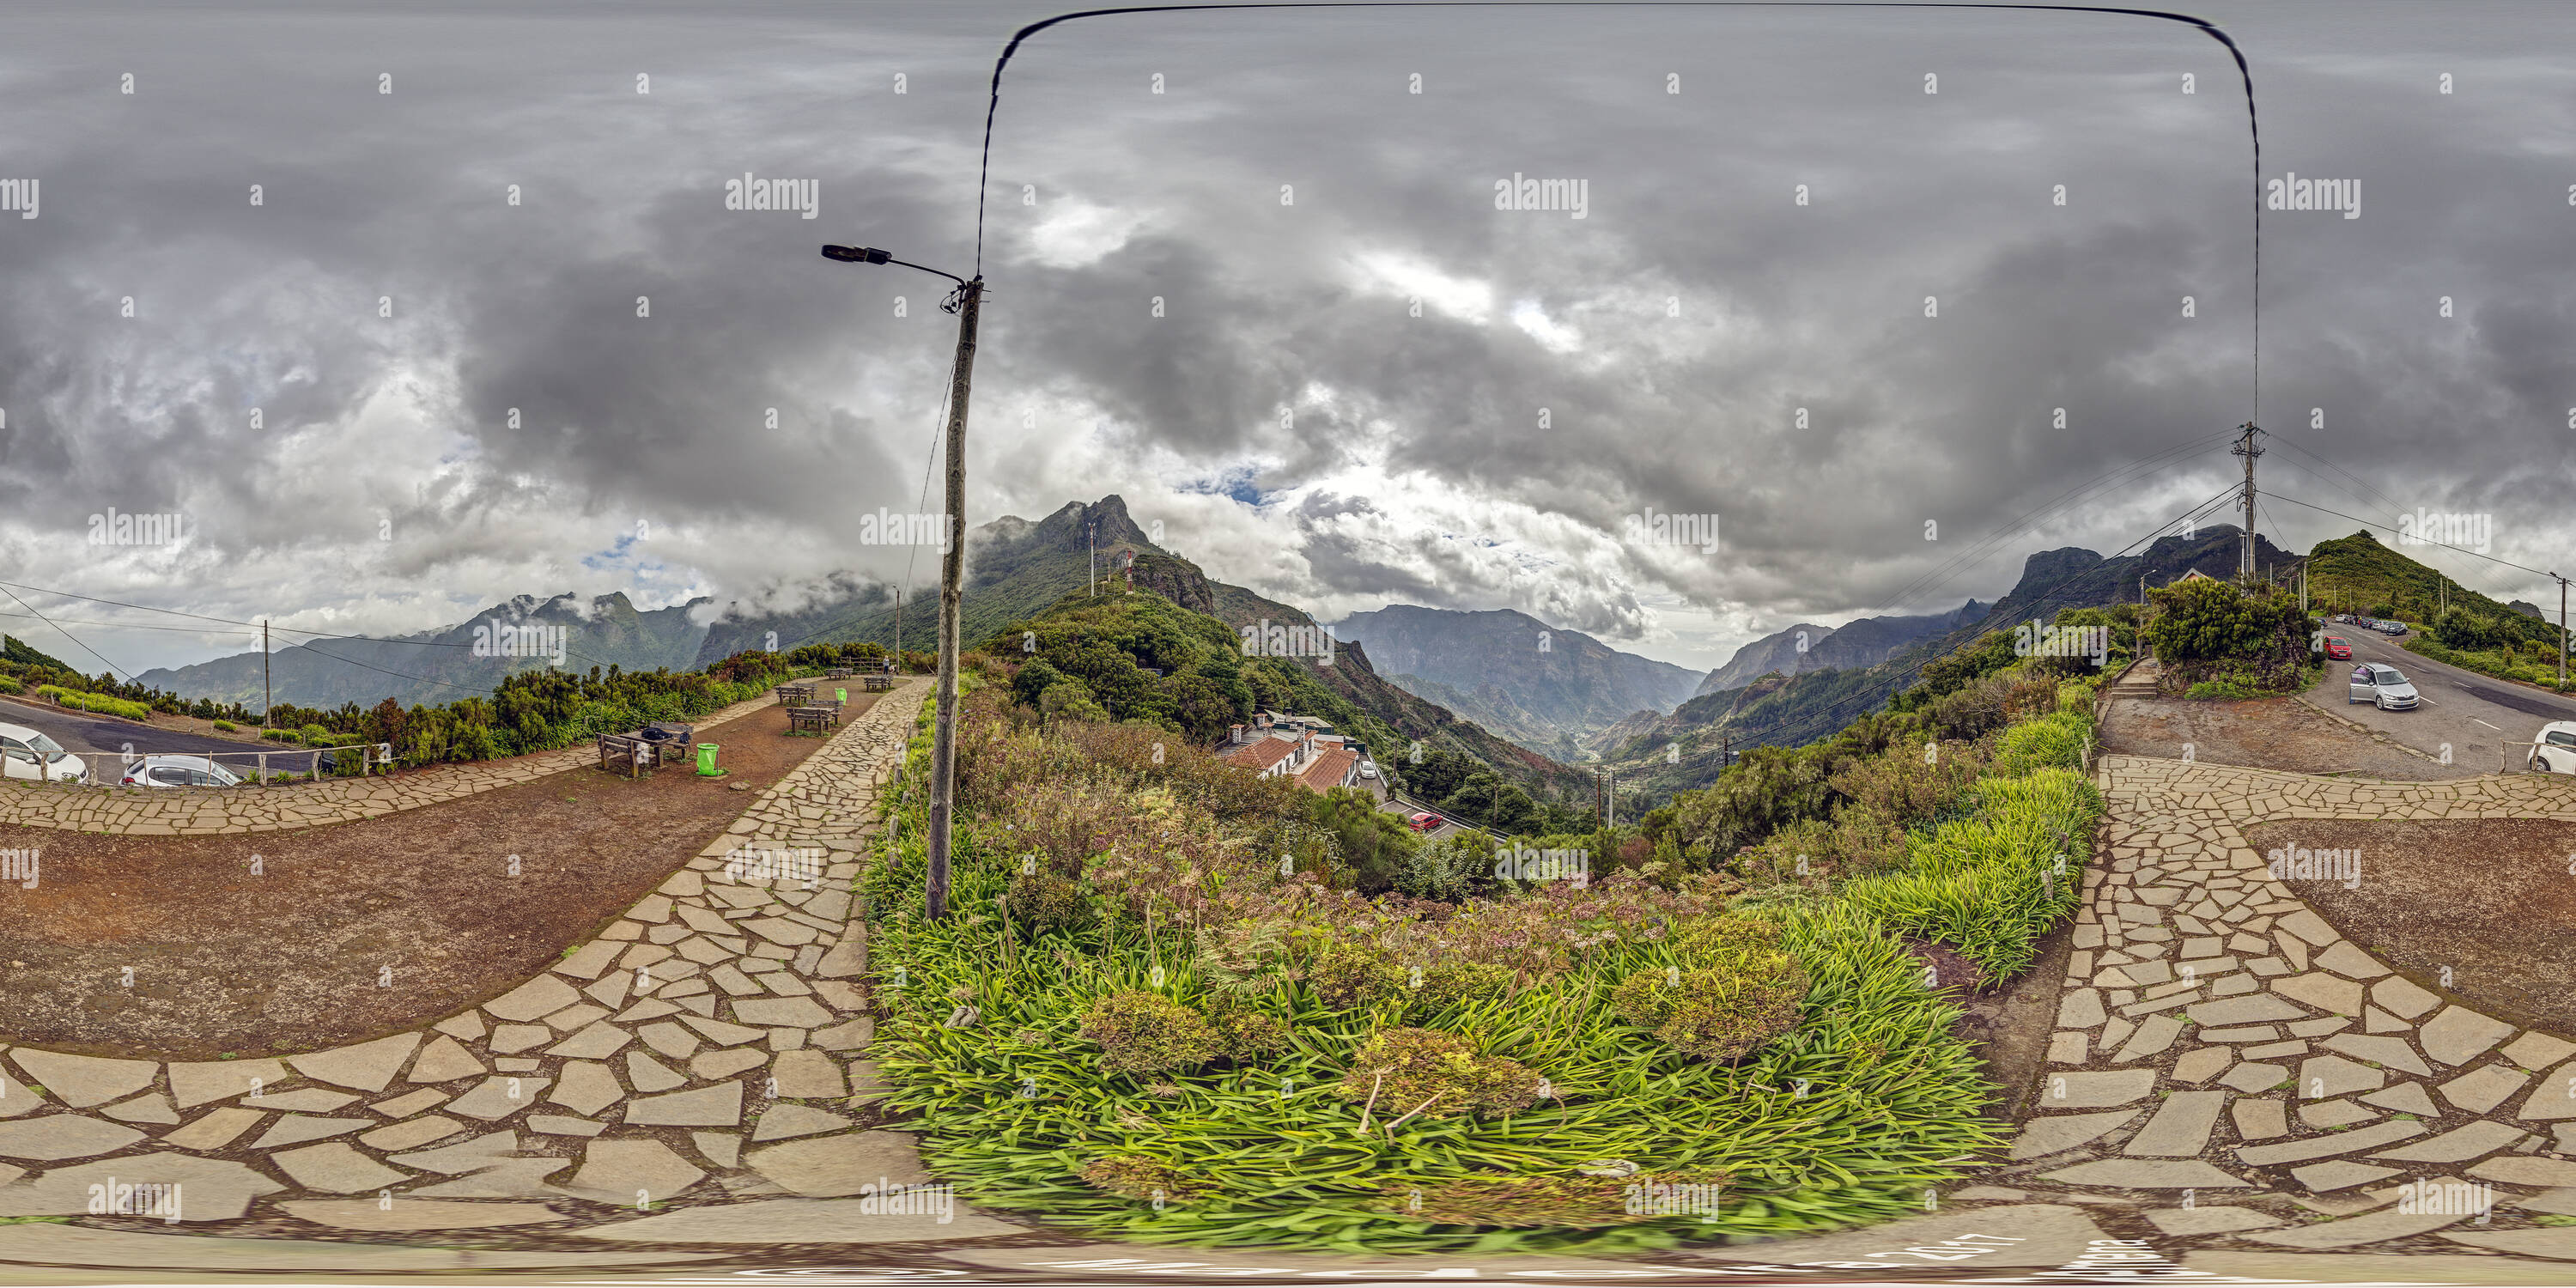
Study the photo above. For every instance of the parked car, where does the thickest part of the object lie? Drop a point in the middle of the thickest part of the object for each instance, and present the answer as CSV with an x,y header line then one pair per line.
x,y
2556,749
2338,648
1367,770
2382,686
1425,822
25,753
2389,628
179,771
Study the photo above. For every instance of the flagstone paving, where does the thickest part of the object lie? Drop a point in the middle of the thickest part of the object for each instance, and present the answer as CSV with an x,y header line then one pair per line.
x,y
617,1090
2277,1056
285,806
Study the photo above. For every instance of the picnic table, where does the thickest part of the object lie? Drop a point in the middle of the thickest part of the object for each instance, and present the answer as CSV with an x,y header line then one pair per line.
x,y
628,753
814,719
791,695
837,673
876,683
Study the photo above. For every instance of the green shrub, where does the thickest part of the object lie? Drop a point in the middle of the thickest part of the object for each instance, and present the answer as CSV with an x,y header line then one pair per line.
x,y
1731,992
281,735
1347,976
1142,1179
1148,1033
1448,983
227,726
95,703
1043,901
2055,741
1437,1075
8,685
1242,1033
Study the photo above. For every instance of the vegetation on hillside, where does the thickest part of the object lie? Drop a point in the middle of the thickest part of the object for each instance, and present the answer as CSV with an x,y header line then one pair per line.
x,y
1194,1006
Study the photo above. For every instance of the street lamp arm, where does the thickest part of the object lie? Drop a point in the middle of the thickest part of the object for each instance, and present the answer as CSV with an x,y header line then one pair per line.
x,y
871,255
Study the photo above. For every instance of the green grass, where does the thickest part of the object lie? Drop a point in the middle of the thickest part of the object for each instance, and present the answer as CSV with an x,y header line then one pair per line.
x,y
95,703
1852,1119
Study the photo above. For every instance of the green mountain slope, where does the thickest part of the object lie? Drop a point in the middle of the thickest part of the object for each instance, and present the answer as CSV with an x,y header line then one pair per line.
x,y
2356,574
443,665
1545,688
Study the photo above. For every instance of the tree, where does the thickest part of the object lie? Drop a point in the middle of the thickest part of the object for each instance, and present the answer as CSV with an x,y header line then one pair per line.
x,y
1199,704
2201,620
2463,628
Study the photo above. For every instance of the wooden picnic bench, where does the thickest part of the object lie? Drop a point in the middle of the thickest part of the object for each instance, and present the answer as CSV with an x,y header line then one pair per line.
x,y
627,753
795,695
837,673
814,719
876,683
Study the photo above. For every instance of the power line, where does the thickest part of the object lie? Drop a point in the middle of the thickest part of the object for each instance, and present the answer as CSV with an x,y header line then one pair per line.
x,y
1855,702
112,668
2419,537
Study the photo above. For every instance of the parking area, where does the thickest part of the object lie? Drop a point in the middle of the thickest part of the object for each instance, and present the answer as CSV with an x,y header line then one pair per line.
x,y
2470,715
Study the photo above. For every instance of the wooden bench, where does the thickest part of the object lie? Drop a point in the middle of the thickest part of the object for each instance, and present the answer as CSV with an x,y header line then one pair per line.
x,y
795,695
837,673
624,752
876,683
813,719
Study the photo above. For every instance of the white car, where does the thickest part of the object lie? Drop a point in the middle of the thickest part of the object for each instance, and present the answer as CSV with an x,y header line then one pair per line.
x,y
1367,770
2556,749
25,753
178,771
2382,686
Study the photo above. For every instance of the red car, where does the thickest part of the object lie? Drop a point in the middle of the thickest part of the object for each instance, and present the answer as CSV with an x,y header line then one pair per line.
x,y
1425,822
2338,648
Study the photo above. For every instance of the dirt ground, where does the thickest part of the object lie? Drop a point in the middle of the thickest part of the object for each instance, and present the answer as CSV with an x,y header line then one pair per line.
x,y
292,959
2009,1027
2264,733
2491,901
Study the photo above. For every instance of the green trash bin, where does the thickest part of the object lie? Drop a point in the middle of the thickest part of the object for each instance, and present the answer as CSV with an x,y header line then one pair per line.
x,y
707,761
843,695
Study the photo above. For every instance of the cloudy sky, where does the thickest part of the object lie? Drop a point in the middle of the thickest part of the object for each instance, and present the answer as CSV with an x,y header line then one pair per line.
x,y
1247,270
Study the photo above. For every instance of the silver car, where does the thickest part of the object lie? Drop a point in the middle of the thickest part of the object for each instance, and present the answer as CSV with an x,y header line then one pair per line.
x,y
178,771
2382,686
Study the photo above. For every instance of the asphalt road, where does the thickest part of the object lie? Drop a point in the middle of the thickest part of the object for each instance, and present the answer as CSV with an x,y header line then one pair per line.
x,y
89,736
2471,713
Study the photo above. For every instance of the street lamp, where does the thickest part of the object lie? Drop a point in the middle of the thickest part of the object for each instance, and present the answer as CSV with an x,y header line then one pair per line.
x,y
965,302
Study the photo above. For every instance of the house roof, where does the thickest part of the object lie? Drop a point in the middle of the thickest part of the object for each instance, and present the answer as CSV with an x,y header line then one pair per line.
x,y
1261,755
1328,770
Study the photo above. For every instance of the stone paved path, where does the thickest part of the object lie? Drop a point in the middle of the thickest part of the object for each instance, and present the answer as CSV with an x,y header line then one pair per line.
x,y
685,1073
167,811
2218,1037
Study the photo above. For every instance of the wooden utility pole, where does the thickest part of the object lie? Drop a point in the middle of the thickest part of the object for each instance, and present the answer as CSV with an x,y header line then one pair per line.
x,y
265,702
952,571
2245,447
